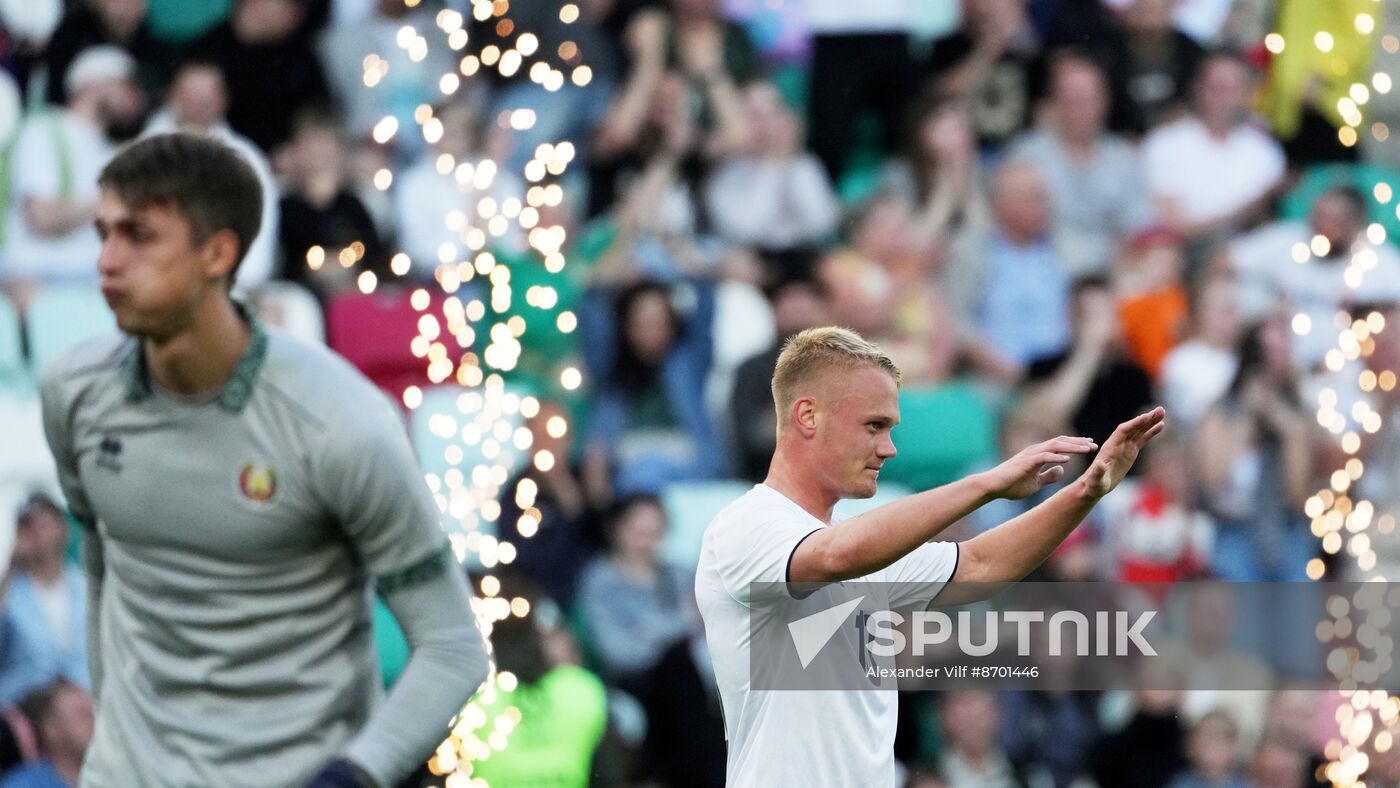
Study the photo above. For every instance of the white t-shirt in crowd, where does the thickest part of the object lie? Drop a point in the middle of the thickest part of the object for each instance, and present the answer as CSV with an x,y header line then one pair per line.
x,y
1270,274
1206,177
1194,377
797,738
49,146
836,17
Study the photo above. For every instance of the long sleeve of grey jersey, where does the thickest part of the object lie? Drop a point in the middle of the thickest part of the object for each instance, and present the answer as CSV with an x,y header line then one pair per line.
x,y
57,414
447,664
93,568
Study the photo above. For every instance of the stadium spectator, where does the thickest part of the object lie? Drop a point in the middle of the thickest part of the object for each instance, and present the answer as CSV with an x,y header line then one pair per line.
x,y
1095,178
1278,762
271,70
657,220
1256,456
119,23
798,304
717,59
938,173
685,745
771,195
592,41
1147,751
881,284
407,77
1213,171
62,718
1049,733
1148,281
437,206
1316,267
198,101
563,707
1014,283
634,604
327,236
1209,664
1199,369
647,422
1154,531
860,60
53,177
973,757
1151,63
24,665
1213,749
559,537
693,112
47,599
993,63
1086,389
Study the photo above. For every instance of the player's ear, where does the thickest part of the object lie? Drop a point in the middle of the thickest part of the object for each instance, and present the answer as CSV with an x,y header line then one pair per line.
x,y
220,253
804,416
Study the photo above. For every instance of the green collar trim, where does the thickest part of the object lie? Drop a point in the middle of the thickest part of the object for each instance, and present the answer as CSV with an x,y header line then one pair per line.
x,y
236,392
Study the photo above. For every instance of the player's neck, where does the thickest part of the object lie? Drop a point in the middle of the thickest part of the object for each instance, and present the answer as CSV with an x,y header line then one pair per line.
x,y
802,487
201,358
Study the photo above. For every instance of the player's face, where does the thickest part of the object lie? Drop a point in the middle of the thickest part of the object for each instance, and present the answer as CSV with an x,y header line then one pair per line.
x,y
854,430
154,275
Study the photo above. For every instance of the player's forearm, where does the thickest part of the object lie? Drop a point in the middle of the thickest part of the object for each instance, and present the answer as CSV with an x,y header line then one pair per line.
x,y
446,666
1010,551
878,538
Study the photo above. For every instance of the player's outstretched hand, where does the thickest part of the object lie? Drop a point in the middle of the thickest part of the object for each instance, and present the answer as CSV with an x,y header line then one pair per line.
x,y
1121,451
1034,467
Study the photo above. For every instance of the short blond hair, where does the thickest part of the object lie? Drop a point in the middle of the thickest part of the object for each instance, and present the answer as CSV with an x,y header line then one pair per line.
x,y
810,354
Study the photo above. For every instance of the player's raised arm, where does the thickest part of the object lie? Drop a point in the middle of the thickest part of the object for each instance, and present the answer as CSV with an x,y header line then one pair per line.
x,y
1010,551
878,538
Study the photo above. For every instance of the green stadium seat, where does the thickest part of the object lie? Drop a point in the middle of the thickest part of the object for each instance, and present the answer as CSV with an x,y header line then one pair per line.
x,y
943,433
690,506
389,642
63,316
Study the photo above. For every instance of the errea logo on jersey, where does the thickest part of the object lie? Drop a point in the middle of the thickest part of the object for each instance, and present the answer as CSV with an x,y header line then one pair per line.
x,y
258,483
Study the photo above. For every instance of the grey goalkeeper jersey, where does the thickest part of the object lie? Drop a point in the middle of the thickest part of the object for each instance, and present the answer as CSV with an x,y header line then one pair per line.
x,y
231,547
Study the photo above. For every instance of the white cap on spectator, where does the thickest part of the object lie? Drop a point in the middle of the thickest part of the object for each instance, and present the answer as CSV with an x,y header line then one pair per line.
x,y
99,64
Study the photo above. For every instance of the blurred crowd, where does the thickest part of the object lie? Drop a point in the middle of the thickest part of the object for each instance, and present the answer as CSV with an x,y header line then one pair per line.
x,y
1051,213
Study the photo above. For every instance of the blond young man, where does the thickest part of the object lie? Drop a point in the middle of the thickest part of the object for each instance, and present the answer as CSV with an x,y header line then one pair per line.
x,y
837,401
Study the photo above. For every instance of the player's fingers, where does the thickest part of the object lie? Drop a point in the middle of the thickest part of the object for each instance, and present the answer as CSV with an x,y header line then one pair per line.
x,y
1051,474
1143,422
1154,431
1049,456
1071,445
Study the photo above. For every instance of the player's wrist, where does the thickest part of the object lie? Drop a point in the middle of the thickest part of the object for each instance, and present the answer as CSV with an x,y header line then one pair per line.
x,y
986,488
1083,492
